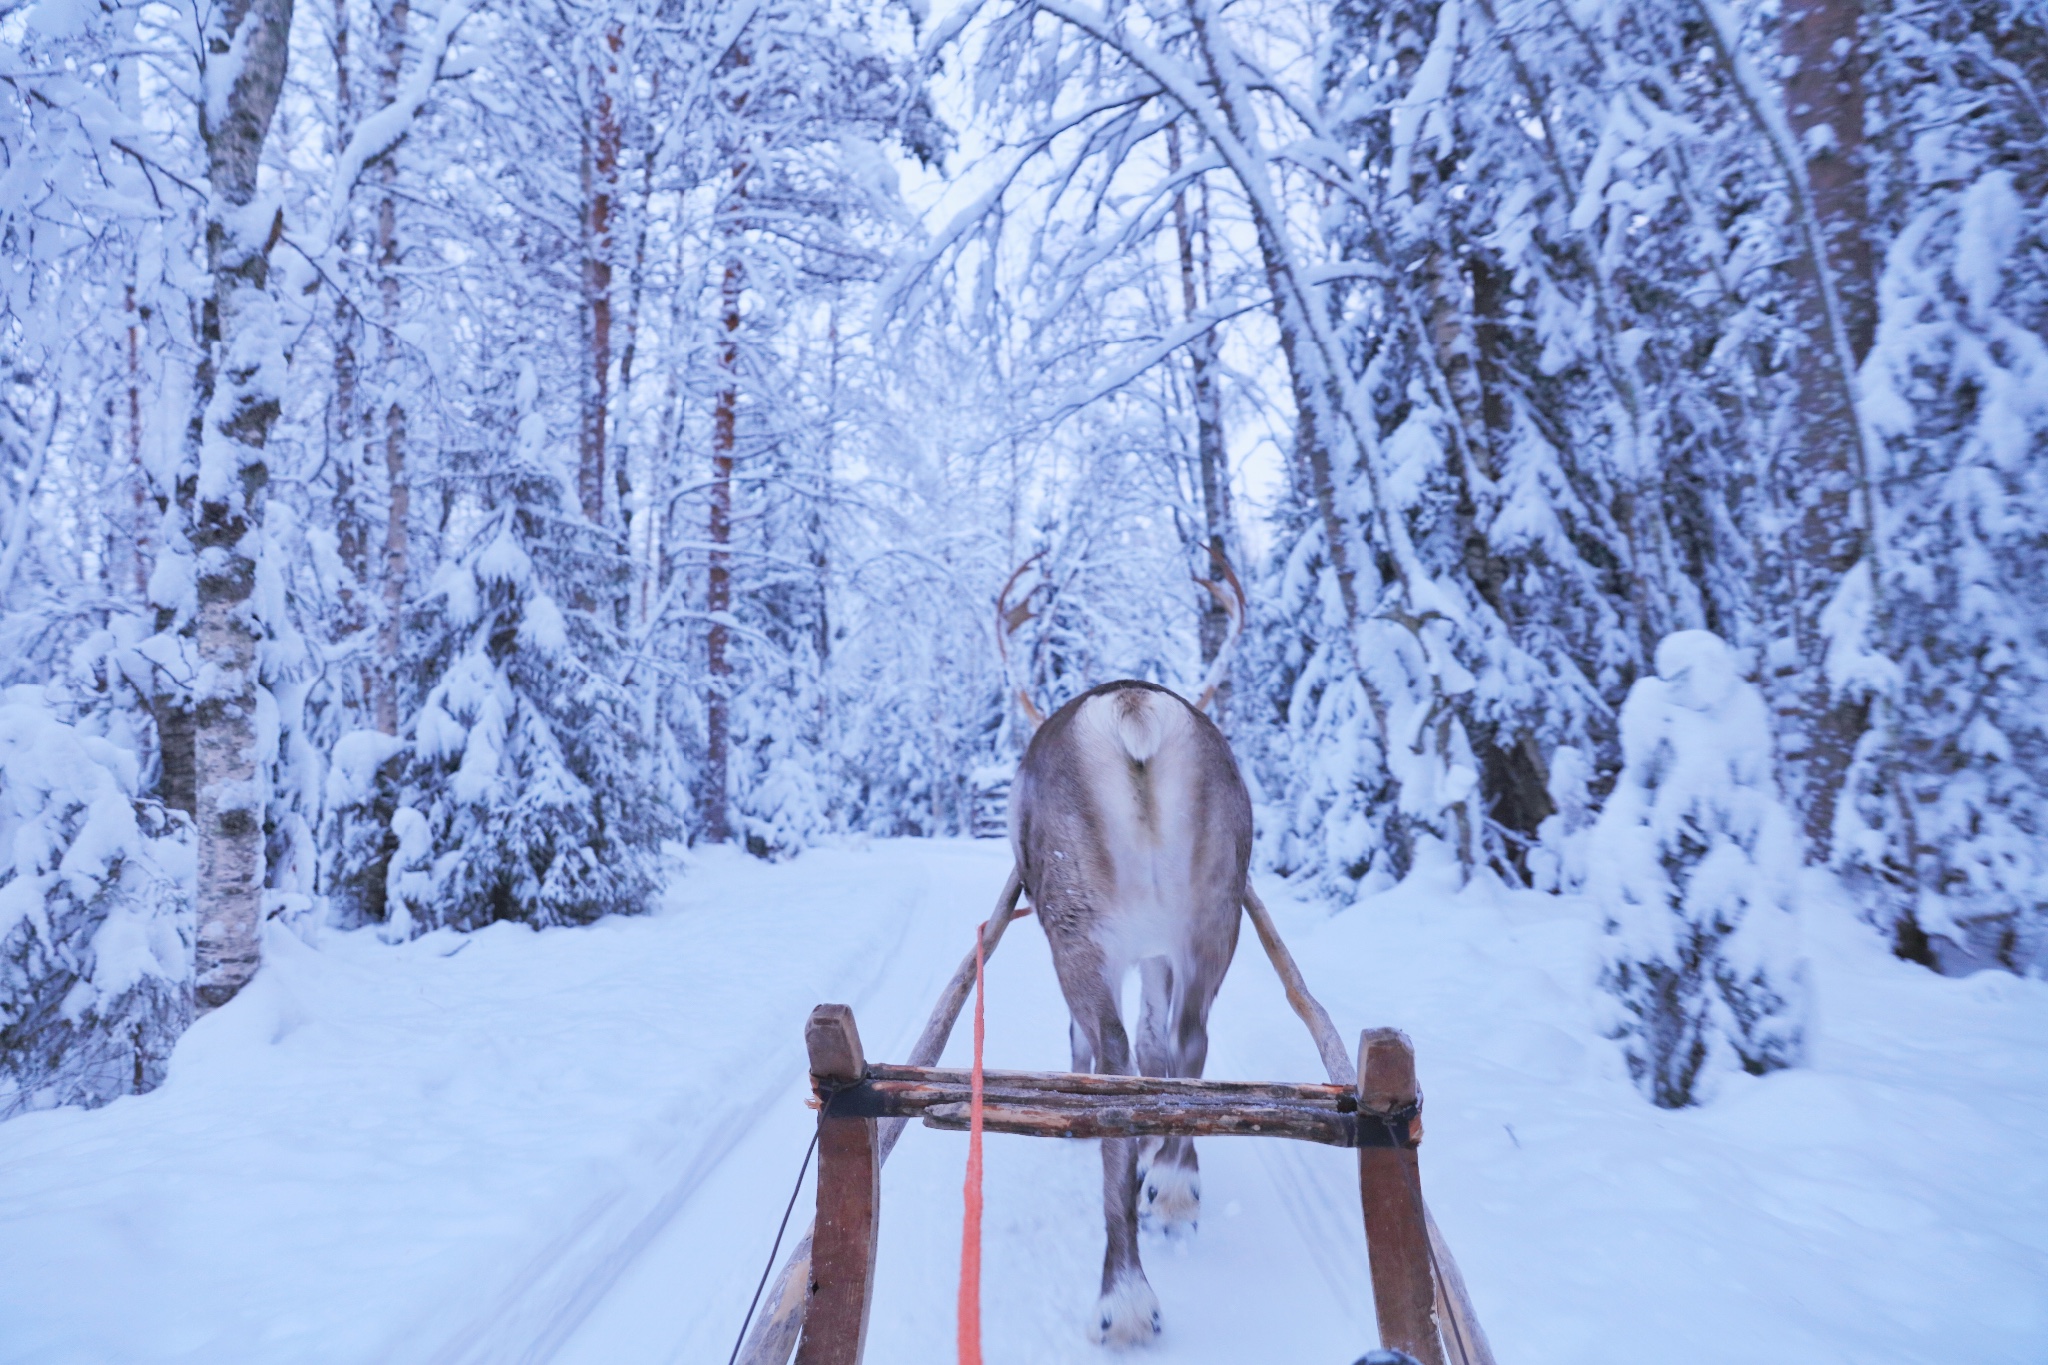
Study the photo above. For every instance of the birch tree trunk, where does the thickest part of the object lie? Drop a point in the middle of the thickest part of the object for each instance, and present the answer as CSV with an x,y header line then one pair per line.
x,y
600,198
351,528
1191,236
390,637
241,386
634,513
134,556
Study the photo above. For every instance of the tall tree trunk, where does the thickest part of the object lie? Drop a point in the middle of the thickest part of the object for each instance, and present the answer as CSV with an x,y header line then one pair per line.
x,y
135,554
818,521
600,197
351,527
351,530
390,640
1191,236
1824,105
635,516
1515,776
718,589
246,50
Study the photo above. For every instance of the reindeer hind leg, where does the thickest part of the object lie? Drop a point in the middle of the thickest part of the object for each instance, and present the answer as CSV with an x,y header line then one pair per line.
x,y
1172,1192
1127,1313
1166,1202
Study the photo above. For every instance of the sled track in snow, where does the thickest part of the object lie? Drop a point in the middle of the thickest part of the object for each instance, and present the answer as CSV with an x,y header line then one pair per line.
x,y
540,1308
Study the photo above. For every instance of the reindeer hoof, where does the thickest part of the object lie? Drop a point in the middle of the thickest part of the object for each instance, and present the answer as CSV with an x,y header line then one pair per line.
x,y
1127,1315
1171,1201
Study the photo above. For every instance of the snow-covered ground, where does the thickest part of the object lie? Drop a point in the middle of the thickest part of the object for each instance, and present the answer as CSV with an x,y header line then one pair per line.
x,y
573,1146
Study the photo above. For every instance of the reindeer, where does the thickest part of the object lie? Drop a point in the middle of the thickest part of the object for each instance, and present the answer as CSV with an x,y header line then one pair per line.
x,y
1132,832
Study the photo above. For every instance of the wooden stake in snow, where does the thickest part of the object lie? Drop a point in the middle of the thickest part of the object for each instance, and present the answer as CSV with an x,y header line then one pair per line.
x,y
849,1202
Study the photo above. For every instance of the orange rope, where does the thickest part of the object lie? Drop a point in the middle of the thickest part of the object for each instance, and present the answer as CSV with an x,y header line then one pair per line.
x,y
970,1229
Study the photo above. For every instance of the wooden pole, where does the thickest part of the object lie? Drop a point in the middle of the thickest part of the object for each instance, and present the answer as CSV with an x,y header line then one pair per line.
x,y
775,1333
1390,1188
1465,1341
842,1277
1463,1338
1335,1062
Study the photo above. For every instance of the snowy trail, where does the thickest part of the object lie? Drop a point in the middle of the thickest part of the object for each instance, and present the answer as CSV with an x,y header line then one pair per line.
x,y
1253,1278
573,1146
566,1280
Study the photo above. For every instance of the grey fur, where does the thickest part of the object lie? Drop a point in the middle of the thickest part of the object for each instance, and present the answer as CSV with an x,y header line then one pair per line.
x,y
1132,831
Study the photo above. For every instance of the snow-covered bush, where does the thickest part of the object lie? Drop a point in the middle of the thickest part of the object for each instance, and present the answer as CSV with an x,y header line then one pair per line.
x,y
779,806
1692,863
1558,862
361,787
95,916
524,795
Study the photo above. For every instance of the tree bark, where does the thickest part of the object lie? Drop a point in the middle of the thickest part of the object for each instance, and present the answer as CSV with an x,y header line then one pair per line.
x,y
1824,106
351,531
135,557
351,528
245,54
131,560
635,515
1191,236
177,782
396,565
600,196
718,587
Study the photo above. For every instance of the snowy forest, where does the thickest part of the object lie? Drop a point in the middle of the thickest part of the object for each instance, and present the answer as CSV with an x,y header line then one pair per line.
x,y
454,457
534,536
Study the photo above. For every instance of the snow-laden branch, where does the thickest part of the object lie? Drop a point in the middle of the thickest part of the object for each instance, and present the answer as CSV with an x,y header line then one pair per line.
x,y
17,524
383,130
1127,371
1216,105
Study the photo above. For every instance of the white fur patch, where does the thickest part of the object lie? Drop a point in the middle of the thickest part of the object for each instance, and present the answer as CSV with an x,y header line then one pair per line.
x,y
1128,1315
1148,820
1170,1200
1139,725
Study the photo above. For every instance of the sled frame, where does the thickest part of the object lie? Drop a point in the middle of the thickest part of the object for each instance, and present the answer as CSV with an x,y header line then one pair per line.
x,y
1380,1117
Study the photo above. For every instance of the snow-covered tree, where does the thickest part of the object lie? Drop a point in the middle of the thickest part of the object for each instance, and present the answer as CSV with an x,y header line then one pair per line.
x,y
526,789
1942,827
1691,864
96,923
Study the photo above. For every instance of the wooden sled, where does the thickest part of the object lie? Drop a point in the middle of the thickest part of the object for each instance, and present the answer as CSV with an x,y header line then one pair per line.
x,y
820,1304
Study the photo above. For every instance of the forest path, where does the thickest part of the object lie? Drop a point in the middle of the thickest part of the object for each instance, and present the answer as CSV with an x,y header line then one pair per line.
x,y
1276,1270
572,1147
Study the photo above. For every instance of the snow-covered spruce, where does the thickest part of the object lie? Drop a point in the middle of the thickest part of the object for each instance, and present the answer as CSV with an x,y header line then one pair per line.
x,y
523,793
95,916
1941,827
1692,863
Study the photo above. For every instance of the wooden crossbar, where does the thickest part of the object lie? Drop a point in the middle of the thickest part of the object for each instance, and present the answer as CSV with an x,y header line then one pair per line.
x,y
1076,1105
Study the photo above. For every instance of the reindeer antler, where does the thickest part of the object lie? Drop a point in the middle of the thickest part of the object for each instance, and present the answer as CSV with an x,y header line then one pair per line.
x,y
1234,607
1009,620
